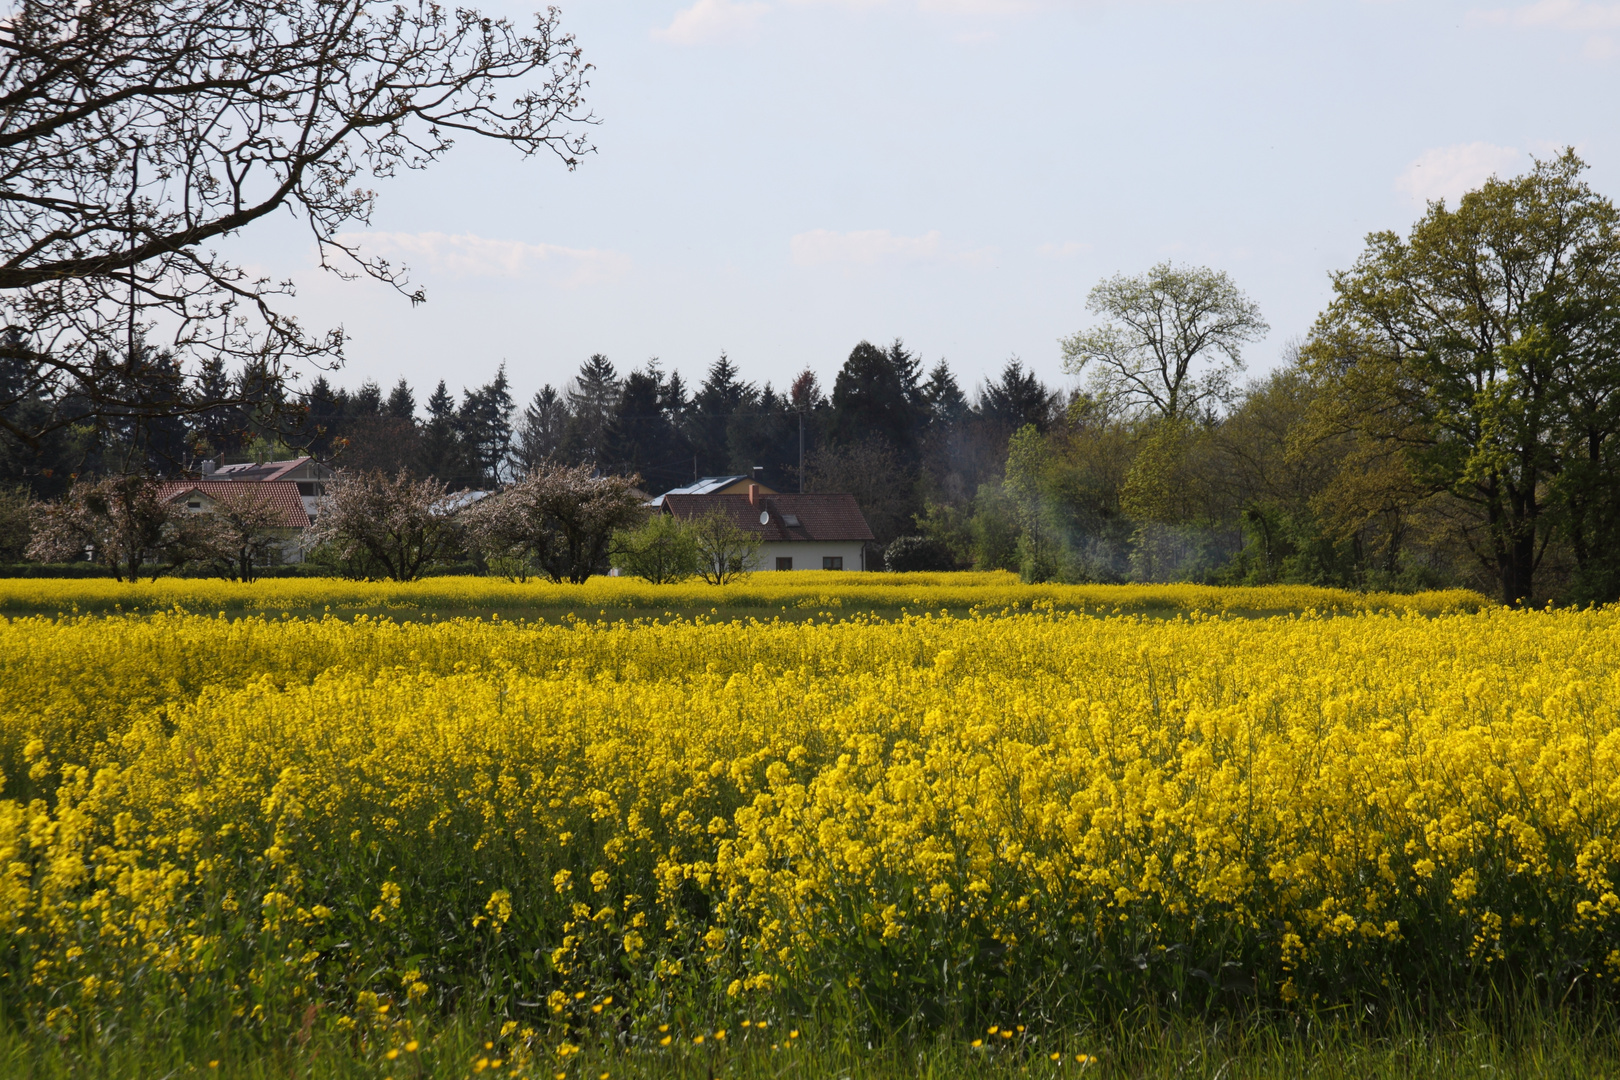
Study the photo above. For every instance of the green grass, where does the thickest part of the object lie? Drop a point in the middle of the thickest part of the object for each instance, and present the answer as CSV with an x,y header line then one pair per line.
x,y
1531,1044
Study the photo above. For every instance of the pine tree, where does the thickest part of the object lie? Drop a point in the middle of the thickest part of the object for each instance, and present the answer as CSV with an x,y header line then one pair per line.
x,y
1017,398
443,456
947,405
766,433
709,418
541,432
366,401
876,396
401,401
485,425
591,401
642,437
215,430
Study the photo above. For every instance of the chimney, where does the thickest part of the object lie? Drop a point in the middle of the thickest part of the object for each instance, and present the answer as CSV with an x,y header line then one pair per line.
x,y
753,494
208,467
759,474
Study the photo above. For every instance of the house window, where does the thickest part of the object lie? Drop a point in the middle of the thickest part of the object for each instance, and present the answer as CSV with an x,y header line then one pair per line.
x,y
832,562
784,563
193,505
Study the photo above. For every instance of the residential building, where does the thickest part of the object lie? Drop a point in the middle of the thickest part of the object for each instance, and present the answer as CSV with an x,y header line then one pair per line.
x,y
284,498
798,532
719,485
309,474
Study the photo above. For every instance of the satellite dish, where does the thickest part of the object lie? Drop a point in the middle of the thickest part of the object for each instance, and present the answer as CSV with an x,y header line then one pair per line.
x,y
764,517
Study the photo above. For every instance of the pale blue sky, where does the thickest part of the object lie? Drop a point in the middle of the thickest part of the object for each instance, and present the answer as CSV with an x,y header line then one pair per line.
x,y
782,178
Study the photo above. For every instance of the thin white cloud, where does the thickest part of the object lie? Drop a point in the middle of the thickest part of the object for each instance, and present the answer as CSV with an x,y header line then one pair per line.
x,y
1447,172
467,255
709,21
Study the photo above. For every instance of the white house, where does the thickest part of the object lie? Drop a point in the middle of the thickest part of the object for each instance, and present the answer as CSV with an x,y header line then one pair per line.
x,y
797,532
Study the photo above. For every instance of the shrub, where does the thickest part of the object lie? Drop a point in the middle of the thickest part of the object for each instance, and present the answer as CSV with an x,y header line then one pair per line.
x,y
662,551
910,554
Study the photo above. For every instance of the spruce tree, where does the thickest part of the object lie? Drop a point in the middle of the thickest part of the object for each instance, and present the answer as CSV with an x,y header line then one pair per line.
x,y
401,403
876,396
541,431
592,400
442,452
709,418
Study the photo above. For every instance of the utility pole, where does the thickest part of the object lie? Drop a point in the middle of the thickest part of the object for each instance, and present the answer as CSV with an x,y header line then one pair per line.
x,y
801,450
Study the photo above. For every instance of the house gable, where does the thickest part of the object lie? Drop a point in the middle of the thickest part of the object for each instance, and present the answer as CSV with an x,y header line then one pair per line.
x,y
781,519
282,495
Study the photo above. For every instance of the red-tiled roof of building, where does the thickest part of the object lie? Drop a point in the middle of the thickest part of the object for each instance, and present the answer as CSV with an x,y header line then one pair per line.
x,y
820,517
281,494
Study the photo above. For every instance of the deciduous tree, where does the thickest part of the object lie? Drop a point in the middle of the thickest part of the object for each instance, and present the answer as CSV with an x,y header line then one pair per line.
x,y
135,135
1172,343
561,518
663,550
126,524
726,550
393,525
1477,360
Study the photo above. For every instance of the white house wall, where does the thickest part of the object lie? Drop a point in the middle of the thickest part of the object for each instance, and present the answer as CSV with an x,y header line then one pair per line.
x,y
807,555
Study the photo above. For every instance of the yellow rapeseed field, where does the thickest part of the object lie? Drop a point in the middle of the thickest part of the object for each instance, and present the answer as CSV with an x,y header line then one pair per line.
x,y
942,818
803,589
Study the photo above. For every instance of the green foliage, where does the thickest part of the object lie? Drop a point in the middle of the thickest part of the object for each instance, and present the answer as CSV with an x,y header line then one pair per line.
x,y
16,522
1284,547
913,554
726,550
994,529
1476,364
663,550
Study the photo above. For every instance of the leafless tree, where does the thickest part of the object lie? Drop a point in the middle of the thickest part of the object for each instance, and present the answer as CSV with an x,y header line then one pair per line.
x,y
243,521
137,134
126,524
561,518
389,525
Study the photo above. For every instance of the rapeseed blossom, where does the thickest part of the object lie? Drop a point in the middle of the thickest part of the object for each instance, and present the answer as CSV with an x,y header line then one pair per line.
x,y
942,816
804,590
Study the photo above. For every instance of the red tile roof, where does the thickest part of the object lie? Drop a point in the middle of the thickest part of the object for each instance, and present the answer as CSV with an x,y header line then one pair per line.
x,y
281,494
821,517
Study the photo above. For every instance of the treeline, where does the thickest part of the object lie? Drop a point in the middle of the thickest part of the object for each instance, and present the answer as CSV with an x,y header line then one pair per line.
x,y
1452,418
896,436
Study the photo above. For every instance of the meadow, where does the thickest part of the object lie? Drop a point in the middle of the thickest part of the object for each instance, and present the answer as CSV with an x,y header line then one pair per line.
x,y
992,840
